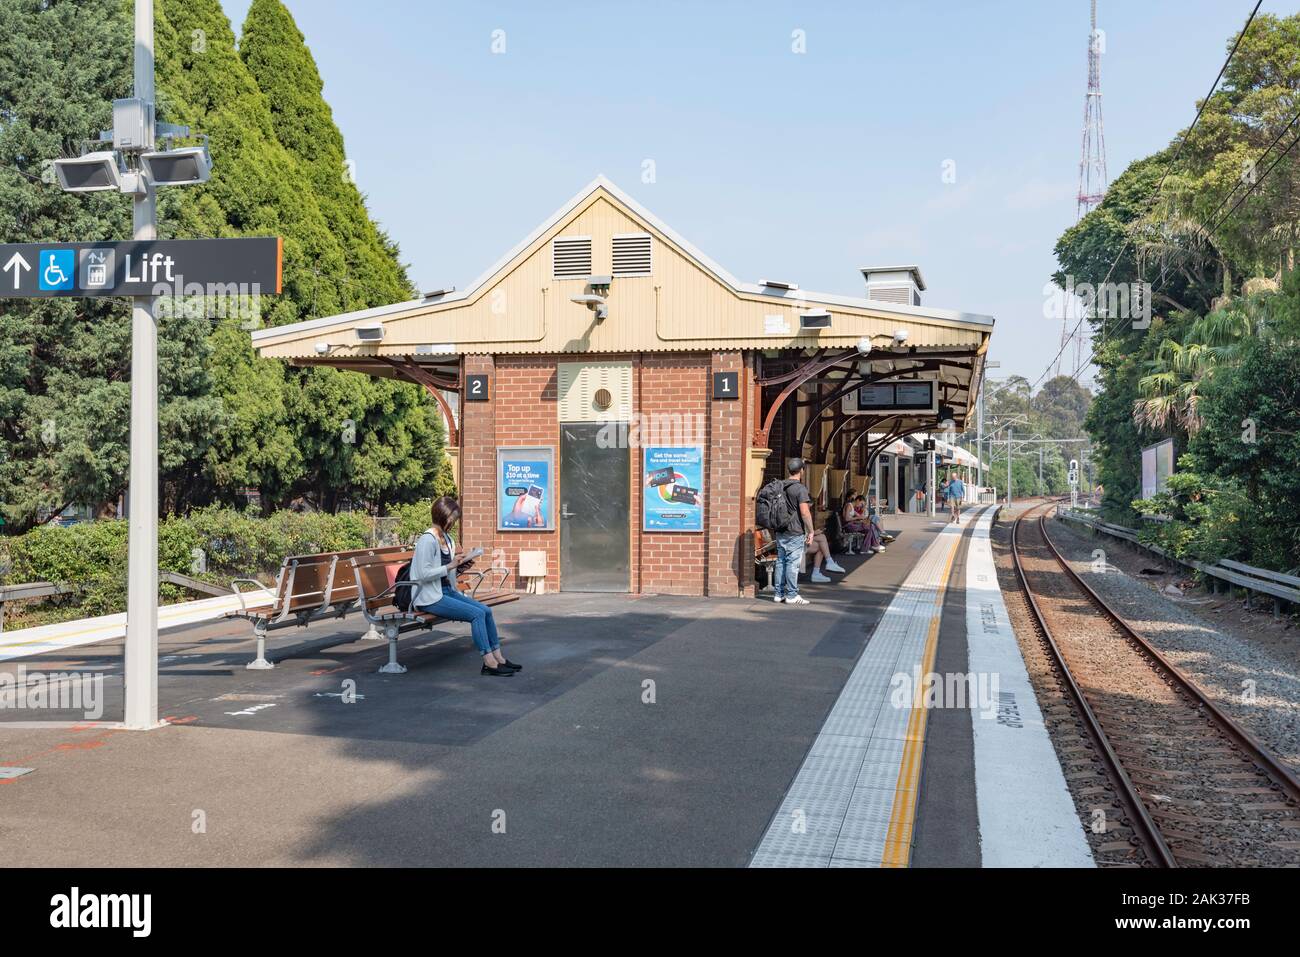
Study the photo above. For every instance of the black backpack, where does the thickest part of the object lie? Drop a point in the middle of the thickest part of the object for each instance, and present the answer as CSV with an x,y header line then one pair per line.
x,y
402,596
772,507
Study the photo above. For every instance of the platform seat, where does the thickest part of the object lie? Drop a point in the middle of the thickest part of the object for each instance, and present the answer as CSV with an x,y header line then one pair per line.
x,y
377,589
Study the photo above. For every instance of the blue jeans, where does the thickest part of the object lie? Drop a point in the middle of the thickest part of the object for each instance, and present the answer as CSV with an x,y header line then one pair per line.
x,y
457,607
785,573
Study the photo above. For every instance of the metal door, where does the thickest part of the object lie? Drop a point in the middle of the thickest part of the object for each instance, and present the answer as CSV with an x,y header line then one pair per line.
x,y
595,510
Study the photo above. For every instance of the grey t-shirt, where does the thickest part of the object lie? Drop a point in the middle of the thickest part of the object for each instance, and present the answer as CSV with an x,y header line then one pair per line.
x,y
797,494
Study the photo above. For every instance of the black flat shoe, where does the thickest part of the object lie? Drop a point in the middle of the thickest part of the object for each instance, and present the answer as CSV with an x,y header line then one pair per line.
x,y
511,665
497,672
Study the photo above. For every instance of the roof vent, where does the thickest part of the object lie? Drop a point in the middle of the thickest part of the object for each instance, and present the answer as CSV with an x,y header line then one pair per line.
x,y
571,257
775,284
439,293
900,284
632,254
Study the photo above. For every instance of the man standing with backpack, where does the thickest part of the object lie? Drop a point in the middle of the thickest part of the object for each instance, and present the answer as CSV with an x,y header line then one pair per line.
x,y
785,509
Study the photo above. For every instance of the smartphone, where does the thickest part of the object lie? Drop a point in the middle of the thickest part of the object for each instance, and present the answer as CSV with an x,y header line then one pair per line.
x,y
662,476
534,500
684,494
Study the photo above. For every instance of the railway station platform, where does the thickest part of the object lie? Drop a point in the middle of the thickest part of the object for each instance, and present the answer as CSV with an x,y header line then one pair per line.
x,y
644,731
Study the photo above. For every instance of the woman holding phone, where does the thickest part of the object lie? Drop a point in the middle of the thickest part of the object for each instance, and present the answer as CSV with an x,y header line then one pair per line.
x,y
434,568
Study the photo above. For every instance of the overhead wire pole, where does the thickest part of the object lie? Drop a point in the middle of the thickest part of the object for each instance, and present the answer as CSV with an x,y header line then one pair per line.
x,y
141,664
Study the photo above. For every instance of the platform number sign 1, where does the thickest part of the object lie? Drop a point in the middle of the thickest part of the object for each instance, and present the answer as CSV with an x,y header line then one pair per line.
x,y
726,385
476,388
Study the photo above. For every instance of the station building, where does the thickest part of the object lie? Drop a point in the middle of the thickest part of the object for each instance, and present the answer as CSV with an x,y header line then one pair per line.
x,y
615,399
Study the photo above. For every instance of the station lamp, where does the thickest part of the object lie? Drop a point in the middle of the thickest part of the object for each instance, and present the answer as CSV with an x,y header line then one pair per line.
x,y
178,167
133,164
91,173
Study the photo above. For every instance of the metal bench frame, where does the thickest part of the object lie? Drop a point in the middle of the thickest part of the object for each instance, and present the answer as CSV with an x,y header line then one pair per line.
x,y
383,614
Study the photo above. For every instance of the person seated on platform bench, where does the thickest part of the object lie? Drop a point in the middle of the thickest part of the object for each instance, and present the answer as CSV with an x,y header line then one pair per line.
x,y
819,547
858,519
434,567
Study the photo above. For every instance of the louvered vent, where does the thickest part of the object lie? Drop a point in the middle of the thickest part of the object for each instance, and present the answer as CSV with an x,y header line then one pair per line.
x,y
571,257
632,254
580,387
901,294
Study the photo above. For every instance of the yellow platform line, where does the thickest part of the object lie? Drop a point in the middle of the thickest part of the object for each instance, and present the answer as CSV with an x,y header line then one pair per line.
x,y
902,818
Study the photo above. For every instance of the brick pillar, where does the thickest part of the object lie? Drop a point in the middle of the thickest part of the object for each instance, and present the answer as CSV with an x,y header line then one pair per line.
x,y
729,568
478,461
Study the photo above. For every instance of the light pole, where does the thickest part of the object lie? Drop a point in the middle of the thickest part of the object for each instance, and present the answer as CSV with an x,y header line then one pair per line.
x,y
979,420
141,667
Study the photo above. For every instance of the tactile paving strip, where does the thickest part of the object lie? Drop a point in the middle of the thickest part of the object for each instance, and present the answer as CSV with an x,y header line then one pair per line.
x,y
837,812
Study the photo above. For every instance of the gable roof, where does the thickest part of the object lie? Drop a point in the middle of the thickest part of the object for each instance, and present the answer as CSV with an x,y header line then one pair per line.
x,y
631,206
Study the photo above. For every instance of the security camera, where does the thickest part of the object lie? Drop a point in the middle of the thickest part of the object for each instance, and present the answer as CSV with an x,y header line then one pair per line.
x,y
900,336
864,345
322,348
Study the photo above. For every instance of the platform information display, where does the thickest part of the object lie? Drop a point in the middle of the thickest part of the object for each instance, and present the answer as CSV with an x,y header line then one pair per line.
x,y
673,479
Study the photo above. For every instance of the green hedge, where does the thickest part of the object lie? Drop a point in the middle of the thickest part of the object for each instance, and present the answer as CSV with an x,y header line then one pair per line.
x,y
215,544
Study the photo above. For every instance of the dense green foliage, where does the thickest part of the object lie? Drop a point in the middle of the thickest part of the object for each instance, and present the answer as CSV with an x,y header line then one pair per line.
x,y
214,544
1216,367
229,421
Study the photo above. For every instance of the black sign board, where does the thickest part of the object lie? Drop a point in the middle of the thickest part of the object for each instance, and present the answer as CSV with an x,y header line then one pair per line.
x,y
476,388
726,385
911,396
165,267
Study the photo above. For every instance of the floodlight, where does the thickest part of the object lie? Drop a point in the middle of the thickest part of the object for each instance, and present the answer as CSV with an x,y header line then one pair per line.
x,y
373,333
91,173
179,167
815,319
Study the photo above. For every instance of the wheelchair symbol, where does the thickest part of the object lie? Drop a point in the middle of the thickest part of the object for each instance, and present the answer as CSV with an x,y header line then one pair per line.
x,y
57,269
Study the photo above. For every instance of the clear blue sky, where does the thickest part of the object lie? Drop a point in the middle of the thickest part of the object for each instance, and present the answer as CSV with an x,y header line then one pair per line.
x,y
801,167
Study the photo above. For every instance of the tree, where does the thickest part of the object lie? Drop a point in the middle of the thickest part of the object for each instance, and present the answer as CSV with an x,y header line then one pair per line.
x,y
64,363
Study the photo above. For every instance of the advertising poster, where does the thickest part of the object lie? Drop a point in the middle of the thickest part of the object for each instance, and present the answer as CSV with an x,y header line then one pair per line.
x,y
1157,466
525,489
673,484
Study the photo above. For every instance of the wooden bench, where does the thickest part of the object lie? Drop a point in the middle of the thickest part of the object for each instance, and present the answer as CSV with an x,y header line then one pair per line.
x,y
312,588
377,591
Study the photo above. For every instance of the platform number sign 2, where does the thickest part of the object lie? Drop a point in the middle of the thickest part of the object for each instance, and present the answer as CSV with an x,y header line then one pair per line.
x,y
476,388
726,385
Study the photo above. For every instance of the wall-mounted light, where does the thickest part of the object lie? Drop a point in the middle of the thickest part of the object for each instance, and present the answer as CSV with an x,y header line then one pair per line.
x,y
369,334
815,319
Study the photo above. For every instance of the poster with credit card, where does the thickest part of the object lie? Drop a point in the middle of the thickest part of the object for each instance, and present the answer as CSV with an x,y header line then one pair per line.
x,y
673,500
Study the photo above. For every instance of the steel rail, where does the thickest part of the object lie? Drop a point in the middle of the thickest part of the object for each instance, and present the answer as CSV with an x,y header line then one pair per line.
x,y
1258,752
1144,826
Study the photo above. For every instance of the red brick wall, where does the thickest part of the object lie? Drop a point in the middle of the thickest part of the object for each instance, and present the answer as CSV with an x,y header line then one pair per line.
x,y
672,563
522,411
729,567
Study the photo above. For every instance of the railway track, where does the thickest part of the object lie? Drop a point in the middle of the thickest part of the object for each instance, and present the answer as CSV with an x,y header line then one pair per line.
x,y
1191,787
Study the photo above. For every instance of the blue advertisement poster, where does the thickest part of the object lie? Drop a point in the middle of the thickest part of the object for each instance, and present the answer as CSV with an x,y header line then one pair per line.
x,y
673,486
524,489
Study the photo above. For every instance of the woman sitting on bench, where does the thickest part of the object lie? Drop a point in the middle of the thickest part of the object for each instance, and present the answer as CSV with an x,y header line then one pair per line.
x,y
435,568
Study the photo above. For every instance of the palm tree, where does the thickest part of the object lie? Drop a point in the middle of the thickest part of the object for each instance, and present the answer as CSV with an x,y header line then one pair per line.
x,y
1170,391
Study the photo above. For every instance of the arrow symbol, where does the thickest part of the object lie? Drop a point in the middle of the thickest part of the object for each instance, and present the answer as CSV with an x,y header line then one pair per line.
x,y
18,264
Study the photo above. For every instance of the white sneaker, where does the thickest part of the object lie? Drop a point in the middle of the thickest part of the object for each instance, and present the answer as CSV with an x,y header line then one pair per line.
x,y
798,600
832,566
880,548
778,599
818,577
